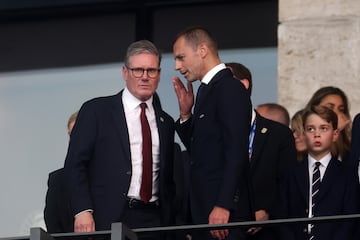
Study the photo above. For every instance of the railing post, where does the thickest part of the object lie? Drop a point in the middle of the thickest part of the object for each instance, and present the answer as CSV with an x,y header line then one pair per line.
x,y
119,231
39,234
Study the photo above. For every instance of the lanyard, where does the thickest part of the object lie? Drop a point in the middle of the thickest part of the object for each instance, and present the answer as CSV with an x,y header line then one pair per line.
x,y
251,138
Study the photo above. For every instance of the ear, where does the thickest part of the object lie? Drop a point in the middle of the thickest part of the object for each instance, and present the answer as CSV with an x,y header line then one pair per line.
x,y
125,72
336,134
203,50
245,82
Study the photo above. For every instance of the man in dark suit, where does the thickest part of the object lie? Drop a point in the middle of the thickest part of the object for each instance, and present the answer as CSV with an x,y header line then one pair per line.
x,y
216,134
337,186
104,166
271,149
57,215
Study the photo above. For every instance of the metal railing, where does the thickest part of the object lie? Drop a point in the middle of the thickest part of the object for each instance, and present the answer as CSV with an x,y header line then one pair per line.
x,y
120,231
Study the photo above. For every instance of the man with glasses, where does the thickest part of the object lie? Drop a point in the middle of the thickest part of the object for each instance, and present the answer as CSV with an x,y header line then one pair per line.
x,y
117,141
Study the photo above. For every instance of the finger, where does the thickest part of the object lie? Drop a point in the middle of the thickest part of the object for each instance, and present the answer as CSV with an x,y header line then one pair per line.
x,y
190,87
256,230
215,234
250,231
177,82
219,234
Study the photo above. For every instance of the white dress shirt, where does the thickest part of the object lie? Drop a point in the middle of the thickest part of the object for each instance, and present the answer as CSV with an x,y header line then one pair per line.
x,y
132,113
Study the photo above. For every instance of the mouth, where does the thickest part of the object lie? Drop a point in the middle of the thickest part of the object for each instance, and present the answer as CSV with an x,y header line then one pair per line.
x,y
184,73
317,144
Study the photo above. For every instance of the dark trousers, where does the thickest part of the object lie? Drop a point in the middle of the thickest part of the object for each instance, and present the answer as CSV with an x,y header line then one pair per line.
x,y
140,217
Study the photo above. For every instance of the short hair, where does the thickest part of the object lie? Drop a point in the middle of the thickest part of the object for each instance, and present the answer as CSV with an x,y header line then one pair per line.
x,y
142,46
195,35
278,110
324,112
240,72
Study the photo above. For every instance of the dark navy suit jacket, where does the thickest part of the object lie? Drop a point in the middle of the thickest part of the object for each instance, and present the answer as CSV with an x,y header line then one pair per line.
x,y
274,148
217,138
98,164
338,195
355,142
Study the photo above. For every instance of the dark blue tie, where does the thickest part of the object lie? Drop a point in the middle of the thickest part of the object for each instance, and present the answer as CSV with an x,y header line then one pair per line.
x,y
198,95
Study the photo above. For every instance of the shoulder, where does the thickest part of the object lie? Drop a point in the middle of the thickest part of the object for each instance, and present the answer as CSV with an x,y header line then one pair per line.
x,y
357,118
101,101
356,124
298,167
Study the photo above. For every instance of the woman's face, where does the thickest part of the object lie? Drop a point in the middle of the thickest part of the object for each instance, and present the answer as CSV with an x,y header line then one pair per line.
x,y
336,103
299,136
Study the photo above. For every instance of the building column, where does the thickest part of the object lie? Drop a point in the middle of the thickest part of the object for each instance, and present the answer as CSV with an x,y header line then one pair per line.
x,y
318,45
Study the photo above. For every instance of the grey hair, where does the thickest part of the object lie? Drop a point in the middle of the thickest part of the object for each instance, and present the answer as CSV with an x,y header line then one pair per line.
x,y
142,46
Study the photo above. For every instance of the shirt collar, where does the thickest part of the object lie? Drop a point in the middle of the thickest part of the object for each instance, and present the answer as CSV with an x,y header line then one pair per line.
x,y
253,116
324,161
132,102
210,74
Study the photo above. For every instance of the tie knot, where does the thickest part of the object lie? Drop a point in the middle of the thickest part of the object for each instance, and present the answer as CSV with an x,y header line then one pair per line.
x,y
143,106
317,164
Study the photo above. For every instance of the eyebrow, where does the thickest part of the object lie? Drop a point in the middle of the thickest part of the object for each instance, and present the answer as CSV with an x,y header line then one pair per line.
x,y
179,56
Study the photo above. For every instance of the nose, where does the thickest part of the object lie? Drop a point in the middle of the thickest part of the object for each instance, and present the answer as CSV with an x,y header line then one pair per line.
x,y
177,65
317,132
145,76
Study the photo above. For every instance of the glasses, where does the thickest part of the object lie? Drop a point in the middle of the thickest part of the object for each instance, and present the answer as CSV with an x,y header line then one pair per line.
x,y
139,72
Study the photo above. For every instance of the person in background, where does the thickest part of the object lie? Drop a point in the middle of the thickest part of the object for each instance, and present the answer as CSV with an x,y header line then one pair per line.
x,y
271,150
355,143
215,134
119,165
297,128
335,99
320,185
275,112
57,215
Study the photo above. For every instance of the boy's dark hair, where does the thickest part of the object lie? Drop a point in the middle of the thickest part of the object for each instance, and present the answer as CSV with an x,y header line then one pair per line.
x,y
324,112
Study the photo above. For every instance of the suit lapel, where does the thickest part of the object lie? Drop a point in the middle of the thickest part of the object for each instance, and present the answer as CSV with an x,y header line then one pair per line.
x,y
329,177
206,89
120,124
259,140
160,122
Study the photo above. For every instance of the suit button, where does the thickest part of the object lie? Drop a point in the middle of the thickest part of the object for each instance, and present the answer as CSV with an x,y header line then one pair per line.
x,y
191,162
307,210
305,230
128,173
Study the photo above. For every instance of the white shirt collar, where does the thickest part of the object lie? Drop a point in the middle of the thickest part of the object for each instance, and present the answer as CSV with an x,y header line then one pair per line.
x,y
253,116
210,74
132,102
324,161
